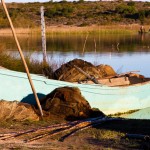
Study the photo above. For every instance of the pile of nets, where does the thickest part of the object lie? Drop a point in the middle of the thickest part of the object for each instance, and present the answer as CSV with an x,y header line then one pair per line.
x,y
17,111
69,104
67,72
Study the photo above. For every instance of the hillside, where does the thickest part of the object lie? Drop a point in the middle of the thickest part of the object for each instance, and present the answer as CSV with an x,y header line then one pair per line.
x,y
77,13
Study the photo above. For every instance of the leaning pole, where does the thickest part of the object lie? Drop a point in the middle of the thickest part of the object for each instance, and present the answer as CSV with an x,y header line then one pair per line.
x,y
23,59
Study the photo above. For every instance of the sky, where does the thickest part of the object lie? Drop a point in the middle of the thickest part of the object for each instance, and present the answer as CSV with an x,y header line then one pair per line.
x,y
25,1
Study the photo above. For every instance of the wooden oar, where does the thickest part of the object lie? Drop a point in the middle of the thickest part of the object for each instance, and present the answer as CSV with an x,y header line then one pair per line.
x,y
22,57
75,128
52,130
87,125
87,75
5,136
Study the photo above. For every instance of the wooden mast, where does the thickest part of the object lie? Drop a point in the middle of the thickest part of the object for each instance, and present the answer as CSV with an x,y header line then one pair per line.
x,y
22,57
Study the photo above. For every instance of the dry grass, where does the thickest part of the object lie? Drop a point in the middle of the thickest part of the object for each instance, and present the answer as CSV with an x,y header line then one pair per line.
x,y
94,29
7,31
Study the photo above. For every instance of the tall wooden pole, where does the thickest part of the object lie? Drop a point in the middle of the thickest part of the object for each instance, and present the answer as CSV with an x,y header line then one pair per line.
x,y
43,35
22,57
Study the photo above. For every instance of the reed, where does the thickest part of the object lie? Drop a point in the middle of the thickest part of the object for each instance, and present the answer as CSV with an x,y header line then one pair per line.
x,y
7,31
36,67
94,29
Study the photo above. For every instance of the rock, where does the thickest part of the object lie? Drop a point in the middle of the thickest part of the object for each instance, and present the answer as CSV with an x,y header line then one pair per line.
x,y
67,103
17,111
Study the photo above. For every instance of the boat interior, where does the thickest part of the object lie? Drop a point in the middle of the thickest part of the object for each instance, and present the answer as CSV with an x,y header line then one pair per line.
x,y
126,79
120,80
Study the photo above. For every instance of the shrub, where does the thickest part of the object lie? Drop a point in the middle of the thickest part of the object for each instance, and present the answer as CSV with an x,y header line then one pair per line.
x,y
4,23
126,10
50,12
131,3
81,1
14,12
59,11
146,4
141,16
147,13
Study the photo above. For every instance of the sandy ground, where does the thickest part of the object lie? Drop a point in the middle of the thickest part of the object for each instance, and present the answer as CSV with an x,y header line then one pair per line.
x,y
110,135
84,141
47,144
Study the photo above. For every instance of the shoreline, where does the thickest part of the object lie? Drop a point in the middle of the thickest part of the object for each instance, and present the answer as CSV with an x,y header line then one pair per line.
x,y
107,135
93,29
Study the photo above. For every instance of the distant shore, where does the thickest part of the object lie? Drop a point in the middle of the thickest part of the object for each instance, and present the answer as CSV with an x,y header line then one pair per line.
x,y
93,29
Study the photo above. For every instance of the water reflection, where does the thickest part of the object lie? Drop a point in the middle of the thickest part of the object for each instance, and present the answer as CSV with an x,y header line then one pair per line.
x,y
123,52
66,43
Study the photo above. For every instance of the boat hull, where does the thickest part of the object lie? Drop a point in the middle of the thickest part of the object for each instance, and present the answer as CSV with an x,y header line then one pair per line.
x,y
110,100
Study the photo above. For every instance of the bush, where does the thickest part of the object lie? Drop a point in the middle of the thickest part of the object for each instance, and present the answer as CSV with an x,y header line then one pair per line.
x,y
81,1
59,11
4,23
146,4
126,10
141,16
147,13
131,3
50,12
14,12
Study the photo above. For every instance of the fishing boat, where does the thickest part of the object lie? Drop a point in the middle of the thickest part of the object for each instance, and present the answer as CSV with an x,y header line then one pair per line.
x,y
112,95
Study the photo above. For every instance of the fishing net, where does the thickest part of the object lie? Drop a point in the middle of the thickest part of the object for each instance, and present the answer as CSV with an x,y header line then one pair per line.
x,y
67,72
17,111
68,103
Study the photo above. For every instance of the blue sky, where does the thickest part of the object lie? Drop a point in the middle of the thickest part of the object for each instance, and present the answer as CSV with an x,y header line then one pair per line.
x,y
22,1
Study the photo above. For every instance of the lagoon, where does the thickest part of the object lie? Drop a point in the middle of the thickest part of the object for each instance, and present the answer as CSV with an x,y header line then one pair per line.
x,y
124,52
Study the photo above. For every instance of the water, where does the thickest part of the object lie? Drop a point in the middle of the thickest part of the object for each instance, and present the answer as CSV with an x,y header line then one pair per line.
x,y
123,52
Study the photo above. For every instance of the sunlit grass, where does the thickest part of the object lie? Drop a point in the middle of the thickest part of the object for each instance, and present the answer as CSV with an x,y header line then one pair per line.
x,y
7,31
94,29
36,67
118,29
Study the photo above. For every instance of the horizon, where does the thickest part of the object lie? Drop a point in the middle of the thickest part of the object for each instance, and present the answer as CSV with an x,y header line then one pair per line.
x,y
41,1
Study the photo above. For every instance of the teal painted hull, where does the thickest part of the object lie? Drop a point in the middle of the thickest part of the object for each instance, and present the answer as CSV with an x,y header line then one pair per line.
x,y
110,100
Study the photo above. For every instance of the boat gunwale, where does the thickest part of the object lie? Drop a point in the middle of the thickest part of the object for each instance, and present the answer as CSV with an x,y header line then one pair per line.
x,y
36,77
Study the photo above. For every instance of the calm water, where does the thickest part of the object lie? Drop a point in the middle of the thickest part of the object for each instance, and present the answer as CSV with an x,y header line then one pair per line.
x,y
123,52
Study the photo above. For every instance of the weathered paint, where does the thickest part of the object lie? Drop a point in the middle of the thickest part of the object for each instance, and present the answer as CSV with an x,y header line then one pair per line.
x,y
15,86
